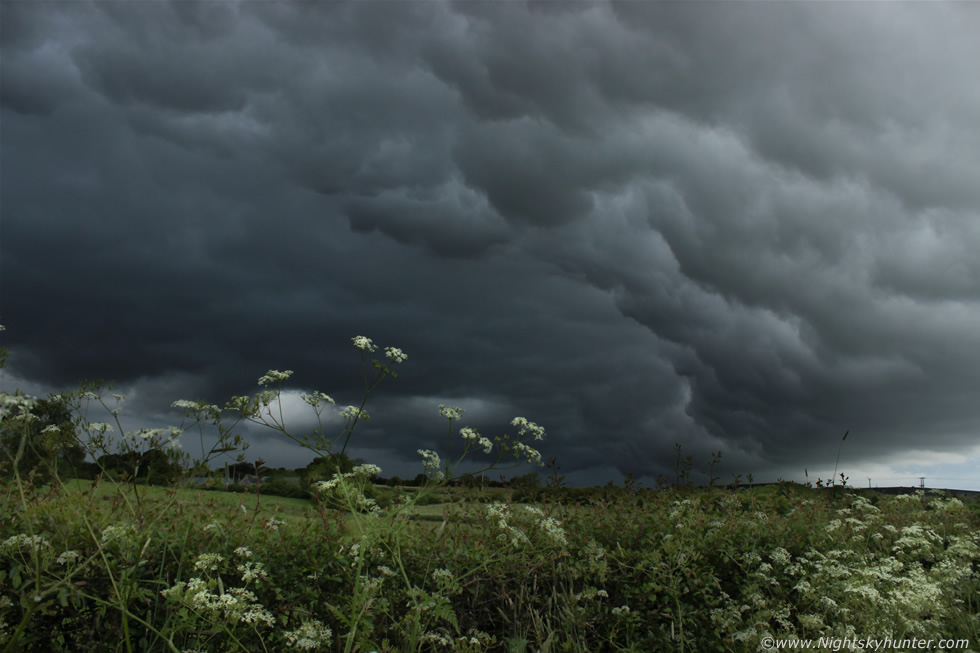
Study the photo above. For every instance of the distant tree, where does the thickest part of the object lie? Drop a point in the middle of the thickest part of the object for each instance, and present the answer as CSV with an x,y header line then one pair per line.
x,y
157,467
238,471
529,481
120,465
153,465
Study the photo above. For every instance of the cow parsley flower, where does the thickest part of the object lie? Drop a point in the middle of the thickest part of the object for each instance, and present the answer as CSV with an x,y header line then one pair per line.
x,y
252,571
472,437
317,398
274,376
350,412
21,541
208,561
531,454
364,344
395,354
525,427
430,459
310,636
368,470
450,412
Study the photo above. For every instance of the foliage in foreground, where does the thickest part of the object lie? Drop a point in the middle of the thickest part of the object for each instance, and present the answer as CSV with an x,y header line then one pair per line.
x,y
678,569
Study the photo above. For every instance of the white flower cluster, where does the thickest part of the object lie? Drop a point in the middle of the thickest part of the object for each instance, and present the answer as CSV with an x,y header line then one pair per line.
x,y
13,406
310,636
473,438
780,556
948,504
354,493
431,462
553,529
521,450
501,512
367,471
473,640
274,376
151,434
252,572
235,604
317,398
591,593
185,403
525,427
364,344
114,533
243,405
273,524
450,412
21,541
396,354
350,412
208,562
550,526
444,574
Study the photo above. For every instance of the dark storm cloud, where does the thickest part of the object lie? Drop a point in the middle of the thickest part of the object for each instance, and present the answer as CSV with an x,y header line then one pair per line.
x,y
745,226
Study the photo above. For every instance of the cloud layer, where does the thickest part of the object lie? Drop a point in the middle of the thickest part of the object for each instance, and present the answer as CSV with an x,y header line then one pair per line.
x,y
740,227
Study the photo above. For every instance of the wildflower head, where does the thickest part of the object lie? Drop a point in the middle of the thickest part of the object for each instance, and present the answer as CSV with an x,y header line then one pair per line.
x,y
309,636
367,470
472,437
431,462
317,398
395,354
364,344
524,427
274,376
522,450
208,562
351,412
450,412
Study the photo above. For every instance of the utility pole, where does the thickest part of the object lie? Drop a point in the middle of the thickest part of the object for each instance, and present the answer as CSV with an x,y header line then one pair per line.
x,y
922,482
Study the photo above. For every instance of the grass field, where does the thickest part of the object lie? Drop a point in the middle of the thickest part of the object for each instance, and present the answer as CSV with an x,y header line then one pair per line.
x,y
359,568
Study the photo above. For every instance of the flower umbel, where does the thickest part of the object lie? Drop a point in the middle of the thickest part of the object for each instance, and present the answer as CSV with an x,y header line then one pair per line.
x,y
364,344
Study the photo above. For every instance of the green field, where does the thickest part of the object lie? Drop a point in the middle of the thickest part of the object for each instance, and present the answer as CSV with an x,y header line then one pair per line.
x,y
670,570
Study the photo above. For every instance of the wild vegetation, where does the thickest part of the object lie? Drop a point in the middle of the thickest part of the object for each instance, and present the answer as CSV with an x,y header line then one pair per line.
x,y
138,558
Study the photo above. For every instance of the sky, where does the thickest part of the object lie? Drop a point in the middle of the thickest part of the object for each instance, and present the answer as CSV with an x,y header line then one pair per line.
x,y
746,227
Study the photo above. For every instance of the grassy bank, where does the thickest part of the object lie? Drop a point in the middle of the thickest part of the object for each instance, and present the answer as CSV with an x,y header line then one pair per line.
x,y
92,568
106,566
